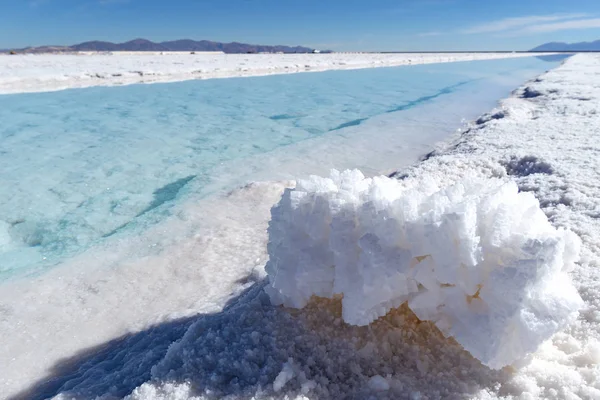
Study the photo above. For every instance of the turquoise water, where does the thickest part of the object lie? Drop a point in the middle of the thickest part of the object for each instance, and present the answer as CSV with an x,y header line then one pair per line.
x,y
83,166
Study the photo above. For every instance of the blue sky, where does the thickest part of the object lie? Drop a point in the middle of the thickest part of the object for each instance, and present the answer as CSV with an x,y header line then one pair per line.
x,y
370,25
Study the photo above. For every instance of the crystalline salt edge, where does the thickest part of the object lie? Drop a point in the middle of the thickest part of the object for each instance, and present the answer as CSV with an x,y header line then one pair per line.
x,y
477,258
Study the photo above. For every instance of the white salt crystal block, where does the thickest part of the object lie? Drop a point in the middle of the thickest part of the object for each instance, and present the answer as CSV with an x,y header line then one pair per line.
x,y
477,258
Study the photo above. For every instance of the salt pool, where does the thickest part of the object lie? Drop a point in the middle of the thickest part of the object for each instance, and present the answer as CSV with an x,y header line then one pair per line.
x,y
86,166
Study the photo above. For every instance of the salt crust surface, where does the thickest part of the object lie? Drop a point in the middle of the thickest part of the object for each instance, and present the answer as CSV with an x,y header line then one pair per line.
x,y
548,143
49,72
477,258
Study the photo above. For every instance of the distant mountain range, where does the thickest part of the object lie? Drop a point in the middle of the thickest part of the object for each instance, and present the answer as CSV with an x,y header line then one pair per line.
x,y
559,46
235,47
176,45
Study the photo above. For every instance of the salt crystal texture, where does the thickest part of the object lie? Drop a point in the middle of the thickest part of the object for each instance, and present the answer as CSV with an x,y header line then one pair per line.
x,y
477,258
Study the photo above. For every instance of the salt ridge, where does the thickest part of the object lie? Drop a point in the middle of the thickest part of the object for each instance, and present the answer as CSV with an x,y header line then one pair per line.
x,y
50,72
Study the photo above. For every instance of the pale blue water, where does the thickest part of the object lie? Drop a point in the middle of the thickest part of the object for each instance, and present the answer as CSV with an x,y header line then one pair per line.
x,y
82,166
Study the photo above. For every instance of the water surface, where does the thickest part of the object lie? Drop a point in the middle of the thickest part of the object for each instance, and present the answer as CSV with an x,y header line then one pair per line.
x,y
83,166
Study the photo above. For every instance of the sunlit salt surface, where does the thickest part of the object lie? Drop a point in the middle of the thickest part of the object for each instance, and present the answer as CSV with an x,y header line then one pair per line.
x,y
81,167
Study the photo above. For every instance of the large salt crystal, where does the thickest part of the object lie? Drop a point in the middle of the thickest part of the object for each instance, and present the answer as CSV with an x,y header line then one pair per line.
x,y
477,258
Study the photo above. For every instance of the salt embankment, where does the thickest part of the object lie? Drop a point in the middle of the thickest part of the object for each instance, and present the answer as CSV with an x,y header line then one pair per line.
x,y
50,72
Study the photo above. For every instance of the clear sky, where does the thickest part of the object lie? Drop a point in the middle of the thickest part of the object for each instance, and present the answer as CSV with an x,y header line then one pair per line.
x,y
370,25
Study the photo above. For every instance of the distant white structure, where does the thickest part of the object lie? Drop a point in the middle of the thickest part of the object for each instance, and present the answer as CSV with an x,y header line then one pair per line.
x,y
316,51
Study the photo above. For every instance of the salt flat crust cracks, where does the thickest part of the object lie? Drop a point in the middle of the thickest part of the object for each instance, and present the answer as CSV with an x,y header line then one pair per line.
x,y
477,258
